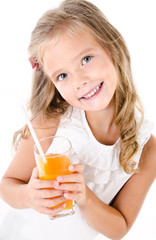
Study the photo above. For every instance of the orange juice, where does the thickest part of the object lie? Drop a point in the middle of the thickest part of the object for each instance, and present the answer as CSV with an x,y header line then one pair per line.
x,y
56,165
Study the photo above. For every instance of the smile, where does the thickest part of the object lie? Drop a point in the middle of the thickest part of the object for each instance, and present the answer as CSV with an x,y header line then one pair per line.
x,y
93,92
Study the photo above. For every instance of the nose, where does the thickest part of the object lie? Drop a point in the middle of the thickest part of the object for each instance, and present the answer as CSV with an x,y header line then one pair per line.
x,y
80,79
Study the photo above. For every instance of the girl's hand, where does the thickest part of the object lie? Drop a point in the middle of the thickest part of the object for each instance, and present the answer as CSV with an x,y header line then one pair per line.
x,y
42,195
73,184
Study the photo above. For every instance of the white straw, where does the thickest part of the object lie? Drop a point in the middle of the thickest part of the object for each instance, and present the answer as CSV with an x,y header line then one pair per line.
x,y
33,133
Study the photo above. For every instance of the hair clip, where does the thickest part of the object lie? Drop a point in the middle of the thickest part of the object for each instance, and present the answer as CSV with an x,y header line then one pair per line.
x,y
35,65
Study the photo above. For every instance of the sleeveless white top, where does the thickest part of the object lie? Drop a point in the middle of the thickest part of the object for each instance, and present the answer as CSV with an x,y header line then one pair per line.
x,y
102,171
103,175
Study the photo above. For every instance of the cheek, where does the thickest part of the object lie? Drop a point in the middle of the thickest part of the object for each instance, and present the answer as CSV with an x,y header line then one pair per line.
x,y
112,77
58,88
64,92
113,81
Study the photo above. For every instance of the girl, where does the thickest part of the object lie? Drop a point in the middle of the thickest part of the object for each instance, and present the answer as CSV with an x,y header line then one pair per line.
x,y
83,90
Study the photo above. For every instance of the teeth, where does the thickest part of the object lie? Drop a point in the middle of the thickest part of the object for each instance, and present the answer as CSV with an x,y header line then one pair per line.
x,y
92,92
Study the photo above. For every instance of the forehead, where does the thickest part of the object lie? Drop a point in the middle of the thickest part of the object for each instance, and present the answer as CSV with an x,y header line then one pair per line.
x,y
69,47
66,30
71,41
67,50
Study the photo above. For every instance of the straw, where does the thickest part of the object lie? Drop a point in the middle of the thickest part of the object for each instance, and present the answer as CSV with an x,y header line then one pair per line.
x,y
33,133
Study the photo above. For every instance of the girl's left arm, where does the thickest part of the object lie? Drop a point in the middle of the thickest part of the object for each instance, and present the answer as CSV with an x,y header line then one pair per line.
x,y
113,221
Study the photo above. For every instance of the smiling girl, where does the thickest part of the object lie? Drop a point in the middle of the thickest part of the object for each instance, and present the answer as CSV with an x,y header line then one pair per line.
x,y
83,90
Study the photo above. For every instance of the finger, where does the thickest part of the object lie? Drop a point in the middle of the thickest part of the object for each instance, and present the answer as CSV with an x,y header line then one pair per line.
x,y
53,202
76,177
76,196
35,173
43,183
71,187
76,168
52,212
46,184
48,193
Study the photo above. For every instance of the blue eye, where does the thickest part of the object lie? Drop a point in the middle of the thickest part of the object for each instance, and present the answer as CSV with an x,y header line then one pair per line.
x,y
62,76
86,60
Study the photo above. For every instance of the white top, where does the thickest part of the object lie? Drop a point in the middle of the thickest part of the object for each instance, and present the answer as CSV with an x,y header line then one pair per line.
x,y
102,171
102,174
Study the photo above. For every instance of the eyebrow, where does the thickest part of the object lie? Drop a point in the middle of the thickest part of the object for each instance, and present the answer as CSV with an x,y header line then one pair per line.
x,y
77,56
82,53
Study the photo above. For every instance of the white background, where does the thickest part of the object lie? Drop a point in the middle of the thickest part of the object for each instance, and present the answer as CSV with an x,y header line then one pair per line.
x,y
136,22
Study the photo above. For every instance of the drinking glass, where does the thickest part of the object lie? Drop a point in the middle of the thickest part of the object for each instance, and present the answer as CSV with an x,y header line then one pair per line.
x,y
55,162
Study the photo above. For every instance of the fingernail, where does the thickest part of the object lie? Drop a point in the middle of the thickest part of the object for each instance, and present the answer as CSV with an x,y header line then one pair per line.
x,y
65,195
64,205
59,179
71,168
56,184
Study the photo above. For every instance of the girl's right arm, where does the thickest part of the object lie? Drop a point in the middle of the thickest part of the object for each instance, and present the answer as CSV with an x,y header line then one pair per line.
x,y
21,187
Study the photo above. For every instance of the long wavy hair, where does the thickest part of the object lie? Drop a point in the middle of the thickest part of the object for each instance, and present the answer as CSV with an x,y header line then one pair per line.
x,y
45,100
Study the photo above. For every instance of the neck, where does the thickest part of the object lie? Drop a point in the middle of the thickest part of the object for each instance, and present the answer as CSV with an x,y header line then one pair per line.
x,y
103,126
103,119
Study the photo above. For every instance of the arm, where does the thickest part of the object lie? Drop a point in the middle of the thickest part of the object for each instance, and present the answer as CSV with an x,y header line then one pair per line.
x,y
115,221
20,186
13,184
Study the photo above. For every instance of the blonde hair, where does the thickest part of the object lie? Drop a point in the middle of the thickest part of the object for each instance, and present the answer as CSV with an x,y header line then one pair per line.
x,y
46,101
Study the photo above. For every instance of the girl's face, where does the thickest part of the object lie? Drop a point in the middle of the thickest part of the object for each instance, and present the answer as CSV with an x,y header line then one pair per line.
x,y
82,71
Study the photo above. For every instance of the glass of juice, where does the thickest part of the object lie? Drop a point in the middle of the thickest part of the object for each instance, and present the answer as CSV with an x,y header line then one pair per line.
x,y
55,162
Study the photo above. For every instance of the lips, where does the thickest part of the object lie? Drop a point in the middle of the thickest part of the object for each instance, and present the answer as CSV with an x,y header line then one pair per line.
x,y
93,92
